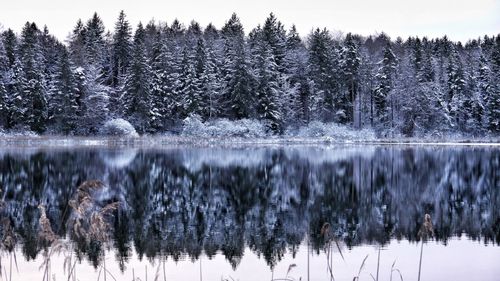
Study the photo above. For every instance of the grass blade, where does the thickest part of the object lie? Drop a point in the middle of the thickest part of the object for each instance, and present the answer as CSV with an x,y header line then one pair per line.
x,y
338,248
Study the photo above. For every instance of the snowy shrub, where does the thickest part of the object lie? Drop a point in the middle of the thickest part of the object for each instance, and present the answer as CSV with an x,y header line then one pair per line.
x,y
244,128
118,127
247,128
332,131
19,132
192,125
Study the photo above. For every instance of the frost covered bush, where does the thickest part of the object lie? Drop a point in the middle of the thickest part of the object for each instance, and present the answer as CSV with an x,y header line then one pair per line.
x,y
118,127
192,125
245,128
334,131
18,133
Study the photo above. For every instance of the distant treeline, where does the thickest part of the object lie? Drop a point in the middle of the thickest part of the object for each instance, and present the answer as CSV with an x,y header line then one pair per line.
x,y
165,72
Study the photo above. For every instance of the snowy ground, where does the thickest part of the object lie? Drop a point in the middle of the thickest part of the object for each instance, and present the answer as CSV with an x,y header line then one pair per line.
x,y
223,132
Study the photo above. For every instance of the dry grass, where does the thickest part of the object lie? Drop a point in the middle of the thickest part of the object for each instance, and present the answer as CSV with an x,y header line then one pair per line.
x,y
8,245
393,269
356,278
89,221
9,240
426,229
426,232
330,240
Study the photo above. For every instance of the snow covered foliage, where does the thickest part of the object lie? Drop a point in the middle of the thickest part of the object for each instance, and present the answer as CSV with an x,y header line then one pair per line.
x,y
159,74
244,128
332,131
118,127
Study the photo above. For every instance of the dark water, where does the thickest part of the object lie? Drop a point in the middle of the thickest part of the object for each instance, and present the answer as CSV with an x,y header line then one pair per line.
x,y
256,210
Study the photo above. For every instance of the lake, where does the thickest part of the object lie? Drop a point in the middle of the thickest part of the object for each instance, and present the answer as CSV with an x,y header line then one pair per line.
x,y
250,212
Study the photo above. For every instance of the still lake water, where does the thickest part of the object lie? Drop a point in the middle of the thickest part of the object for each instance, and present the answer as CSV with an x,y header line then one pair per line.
x,y
250,213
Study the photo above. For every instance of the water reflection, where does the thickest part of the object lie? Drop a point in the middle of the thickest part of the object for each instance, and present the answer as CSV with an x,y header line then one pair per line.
x,y
183,202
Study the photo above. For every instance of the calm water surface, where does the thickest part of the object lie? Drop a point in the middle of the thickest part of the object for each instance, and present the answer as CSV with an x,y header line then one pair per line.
x,y
250,213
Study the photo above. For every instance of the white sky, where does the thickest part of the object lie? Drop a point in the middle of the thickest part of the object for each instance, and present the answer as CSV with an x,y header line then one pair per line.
x,y
459,19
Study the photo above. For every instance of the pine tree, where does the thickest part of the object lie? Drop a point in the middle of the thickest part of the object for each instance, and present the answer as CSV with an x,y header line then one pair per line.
x,y
385,78
421,59
190,88
137,90
426,73
51,50
268,88
176,30
160,88
17,99
459,103
4,99
273,33
211,33
210,81
10,46
237,78
89,51
153,33
34,87
94,41
493,100
77,44
94,98
350,68
207,80
65,102
298,93
122,48
480,89
322,73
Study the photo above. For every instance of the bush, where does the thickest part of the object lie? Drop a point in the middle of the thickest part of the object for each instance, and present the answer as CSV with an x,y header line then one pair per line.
x,y
118,127
244,128
332,131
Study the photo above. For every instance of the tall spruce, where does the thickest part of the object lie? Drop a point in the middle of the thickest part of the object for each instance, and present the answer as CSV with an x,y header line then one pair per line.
x,y
322,73
190,87
386,80
237,78
298,95
137,90
351,61
459,102
35,85
122,50
65,102
10,46
268,87
493,105
4,98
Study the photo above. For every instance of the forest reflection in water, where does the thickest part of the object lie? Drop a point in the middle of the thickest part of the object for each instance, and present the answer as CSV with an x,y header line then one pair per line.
x,y
185,202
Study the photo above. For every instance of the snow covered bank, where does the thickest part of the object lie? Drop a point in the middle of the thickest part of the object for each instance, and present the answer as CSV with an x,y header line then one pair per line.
x,y
251,129
176,141
224,132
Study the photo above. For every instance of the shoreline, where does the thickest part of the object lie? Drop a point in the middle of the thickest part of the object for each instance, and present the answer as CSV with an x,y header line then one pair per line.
x,y
165,141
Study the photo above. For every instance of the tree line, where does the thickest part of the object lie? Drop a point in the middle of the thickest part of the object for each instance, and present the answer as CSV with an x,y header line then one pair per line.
x,y
162,73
